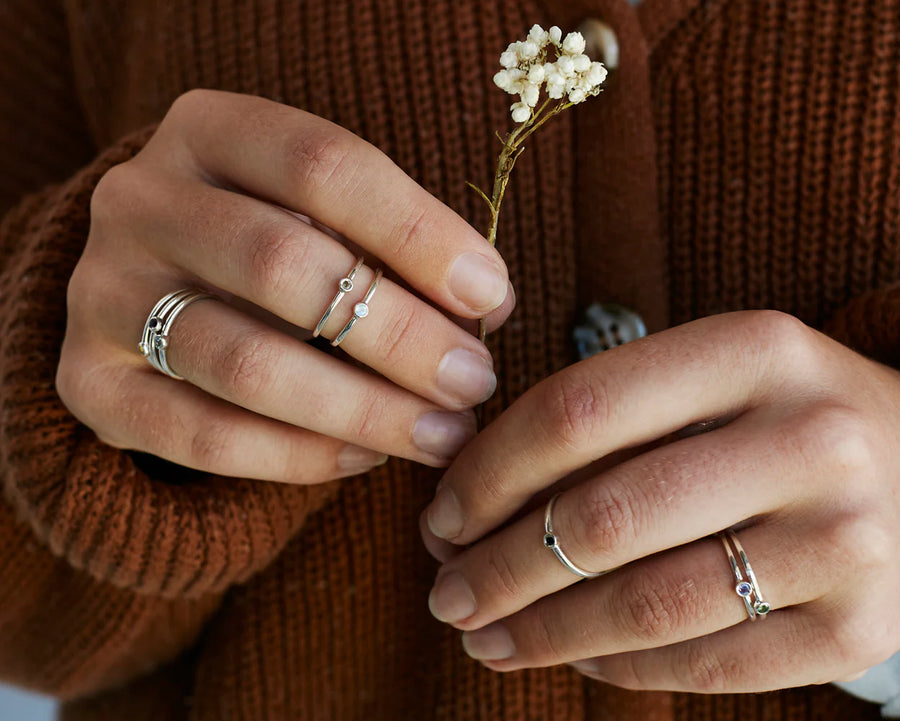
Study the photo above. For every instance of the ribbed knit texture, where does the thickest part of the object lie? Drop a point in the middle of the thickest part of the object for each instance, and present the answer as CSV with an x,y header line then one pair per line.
x,y
776,184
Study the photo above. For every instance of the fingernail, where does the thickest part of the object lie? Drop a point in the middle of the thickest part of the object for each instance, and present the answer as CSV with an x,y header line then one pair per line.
x,y
444,515
477,282
451,599
356,459
466,376
491,643
443,434
587,666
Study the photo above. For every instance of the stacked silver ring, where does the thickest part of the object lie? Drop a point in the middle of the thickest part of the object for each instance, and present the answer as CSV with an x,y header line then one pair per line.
x,y
747,586
345,285
155,338
360,310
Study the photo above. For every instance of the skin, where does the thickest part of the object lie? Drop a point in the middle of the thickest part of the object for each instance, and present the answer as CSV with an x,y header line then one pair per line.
x,y
267,206
801,460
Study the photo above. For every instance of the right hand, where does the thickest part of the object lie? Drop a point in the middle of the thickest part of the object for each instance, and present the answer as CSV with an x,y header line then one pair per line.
x,y
252,201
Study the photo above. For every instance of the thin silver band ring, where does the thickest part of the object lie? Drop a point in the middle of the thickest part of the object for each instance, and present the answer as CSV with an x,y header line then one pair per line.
x,y
747,586
551,541
345,285
360,310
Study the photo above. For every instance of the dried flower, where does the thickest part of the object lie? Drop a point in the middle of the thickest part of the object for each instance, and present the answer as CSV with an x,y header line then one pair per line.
x,y
527,68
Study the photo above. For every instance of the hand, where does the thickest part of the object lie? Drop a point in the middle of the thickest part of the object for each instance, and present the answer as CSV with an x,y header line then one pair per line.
x,y
805,467
250,200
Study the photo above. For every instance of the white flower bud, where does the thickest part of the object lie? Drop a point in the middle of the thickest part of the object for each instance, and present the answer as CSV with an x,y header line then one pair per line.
x,y
520,112
582,63
538,35
528,50
531,94
597,74
537,74
573,44
502,80
509,59
555,35
516,81
577,95
556,86
565,66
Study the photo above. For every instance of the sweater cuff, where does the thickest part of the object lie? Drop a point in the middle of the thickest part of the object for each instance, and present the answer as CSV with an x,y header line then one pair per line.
x,y
870,324
89,502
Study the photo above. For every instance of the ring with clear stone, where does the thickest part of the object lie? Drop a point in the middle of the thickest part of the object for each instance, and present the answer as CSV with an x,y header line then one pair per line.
x,y
345,285
360,310
747,587
551,541
155,338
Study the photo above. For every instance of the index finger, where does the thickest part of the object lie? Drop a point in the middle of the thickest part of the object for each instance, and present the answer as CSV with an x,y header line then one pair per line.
x,y
312,166
625,397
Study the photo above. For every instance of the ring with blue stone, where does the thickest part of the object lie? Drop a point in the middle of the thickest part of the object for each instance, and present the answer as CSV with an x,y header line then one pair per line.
x,y
747,586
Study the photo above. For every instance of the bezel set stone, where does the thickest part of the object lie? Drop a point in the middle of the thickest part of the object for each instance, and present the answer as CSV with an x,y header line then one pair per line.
x,y
550,540
744,589
346,285
361,310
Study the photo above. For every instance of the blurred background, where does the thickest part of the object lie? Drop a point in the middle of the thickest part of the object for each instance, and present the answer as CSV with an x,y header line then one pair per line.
x,y
16,705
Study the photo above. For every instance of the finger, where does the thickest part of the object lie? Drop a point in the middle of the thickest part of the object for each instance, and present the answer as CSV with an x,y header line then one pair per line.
x,y
792,648
151,413
314,167
662,499
684,593
257,252
627,396
244,361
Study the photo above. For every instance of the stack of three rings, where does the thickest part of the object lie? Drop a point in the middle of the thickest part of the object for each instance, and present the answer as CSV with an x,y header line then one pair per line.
x,y
155,338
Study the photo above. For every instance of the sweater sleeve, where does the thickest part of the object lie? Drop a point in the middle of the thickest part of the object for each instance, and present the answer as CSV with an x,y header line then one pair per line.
x,y
870,324
127,549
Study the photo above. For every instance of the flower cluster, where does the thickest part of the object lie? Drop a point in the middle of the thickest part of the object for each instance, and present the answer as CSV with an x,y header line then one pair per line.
x,y
526,67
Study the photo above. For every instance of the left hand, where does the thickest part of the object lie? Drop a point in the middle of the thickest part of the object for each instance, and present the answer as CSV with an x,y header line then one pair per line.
x,y
804,462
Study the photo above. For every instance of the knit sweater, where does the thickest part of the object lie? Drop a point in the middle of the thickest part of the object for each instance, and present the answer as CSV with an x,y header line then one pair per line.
x,y
744,155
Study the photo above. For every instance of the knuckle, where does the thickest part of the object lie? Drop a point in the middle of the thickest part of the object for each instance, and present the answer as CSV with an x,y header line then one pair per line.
x,y
548,641
276,255
653,610
862,542
781,336
837,438
114,191
408,237
578,408
248,366
401,336
504,580
319,157
368,418
607,520
213,446
190,102
704,671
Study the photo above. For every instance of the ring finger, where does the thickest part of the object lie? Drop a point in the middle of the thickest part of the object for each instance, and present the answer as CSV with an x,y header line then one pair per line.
x,y
681,594
263,254
243,360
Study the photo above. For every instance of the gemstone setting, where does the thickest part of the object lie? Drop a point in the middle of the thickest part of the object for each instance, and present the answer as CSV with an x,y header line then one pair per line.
x,y
744,589
346,285
161,342
360,310
762,608
550,540
155,324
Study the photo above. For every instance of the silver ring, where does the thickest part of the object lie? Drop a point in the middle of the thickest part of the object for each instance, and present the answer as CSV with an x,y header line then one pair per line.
x,y
155,338
747,586
360,310
551,541
345,285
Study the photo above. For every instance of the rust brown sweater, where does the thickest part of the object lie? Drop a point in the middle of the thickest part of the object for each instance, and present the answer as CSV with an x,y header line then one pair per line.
x,y
745,155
